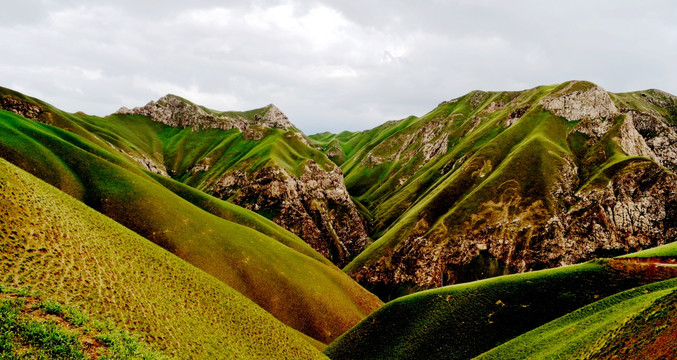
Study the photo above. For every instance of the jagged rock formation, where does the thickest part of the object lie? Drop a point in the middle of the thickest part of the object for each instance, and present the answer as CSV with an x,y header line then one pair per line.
x,y
177,112
517,181
310,201
315,206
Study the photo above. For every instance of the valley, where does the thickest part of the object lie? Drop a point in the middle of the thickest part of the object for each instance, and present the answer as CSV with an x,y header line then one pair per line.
x,y
487,227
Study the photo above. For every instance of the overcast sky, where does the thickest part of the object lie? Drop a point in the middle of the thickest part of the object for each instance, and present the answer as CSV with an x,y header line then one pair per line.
x,y
329,65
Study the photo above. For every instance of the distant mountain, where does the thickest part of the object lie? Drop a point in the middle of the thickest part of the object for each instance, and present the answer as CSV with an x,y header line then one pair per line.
x,y
494,183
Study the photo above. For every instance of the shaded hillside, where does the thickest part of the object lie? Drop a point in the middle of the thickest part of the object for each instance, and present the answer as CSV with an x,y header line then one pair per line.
x,y
635,324
255,159
57,246
464,320
501,182
309,294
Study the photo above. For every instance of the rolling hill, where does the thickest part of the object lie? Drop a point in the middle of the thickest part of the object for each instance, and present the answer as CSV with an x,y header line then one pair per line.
x,y
274,268
465,320
56,246
493,183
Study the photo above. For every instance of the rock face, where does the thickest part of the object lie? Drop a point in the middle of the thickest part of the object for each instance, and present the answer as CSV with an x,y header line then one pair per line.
x,y
591,103
177,112
23,108
599,182
316,206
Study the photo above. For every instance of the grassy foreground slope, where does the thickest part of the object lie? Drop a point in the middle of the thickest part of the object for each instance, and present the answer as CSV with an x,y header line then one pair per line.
x,y
639,323
302,291
61,248
462,321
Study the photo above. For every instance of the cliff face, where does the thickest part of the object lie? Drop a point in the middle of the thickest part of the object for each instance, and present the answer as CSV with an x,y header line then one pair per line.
x,y
308,199
316,206
530,180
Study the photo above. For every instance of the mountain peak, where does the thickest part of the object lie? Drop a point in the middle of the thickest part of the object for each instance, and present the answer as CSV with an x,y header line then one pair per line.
x,y
176,111
579,100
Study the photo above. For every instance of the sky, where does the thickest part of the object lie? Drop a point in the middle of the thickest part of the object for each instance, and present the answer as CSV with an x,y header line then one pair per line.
x,y
328,65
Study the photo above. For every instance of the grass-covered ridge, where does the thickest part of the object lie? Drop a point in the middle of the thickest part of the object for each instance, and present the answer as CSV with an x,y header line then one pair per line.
x,y
310,295
465,320
71,254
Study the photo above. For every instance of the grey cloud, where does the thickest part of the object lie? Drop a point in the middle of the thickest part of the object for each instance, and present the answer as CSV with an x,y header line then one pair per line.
x,y
328,65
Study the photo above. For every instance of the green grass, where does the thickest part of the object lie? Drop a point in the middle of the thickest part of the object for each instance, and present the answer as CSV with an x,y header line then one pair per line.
x,y
312,296
462,321
637,323
71,254
36,328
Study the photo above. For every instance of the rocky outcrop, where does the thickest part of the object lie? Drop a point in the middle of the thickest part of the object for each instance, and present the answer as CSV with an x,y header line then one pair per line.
x,y
177,112
21,108
591,103
660,137
316,206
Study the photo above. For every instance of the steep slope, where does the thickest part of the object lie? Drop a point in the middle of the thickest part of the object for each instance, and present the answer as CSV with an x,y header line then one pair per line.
x,y
59,247
255,159
496,183
635,324
464,320
282,275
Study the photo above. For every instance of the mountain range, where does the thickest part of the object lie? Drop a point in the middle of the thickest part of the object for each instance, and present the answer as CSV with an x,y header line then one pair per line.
x,y
226,234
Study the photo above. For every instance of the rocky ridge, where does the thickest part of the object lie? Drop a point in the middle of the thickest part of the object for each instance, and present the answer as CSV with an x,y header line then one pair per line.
x,y
316,206
594,205
177,112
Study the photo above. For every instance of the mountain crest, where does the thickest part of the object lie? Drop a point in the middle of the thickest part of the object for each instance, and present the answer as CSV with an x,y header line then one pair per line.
x,y
176,111
580,100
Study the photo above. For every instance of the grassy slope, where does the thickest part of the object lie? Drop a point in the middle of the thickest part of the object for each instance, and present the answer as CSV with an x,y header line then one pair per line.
x,y
36,328
465,320
59,247
302,291
636,324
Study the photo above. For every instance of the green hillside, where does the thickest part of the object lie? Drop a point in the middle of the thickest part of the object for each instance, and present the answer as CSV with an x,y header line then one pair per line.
x,y
635,324
308,294
462,321
56,246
